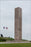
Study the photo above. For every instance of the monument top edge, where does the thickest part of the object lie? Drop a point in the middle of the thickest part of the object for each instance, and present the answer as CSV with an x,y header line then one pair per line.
x,y
18,7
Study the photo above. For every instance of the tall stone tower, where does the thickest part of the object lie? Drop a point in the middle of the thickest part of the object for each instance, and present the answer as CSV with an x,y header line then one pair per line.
x,y
18,23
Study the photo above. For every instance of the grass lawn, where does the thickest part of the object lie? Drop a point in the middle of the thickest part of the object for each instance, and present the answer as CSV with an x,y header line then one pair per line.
x,y
16,45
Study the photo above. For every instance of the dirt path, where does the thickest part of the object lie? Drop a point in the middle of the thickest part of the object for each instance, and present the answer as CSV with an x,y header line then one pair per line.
x,y
12,42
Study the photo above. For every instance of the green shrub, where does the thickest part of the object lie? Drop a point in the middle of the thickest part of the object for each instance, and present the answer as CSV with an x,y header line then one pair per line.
x,y
9,39
24,40
5,39
2,39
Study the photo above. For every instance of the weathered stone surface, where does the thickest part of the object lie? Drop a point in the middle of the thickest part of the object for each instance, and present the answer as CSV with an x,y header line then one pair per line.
x,y
18,23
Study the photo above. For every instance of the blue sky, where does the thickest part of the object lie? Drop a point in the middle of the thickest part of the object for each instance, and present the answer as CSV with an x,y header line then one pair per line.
x,y
7,18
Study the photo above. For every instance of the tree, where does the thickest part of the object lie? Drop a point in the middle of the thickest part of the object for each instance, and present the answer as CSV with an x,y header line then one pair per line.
x,y
1,35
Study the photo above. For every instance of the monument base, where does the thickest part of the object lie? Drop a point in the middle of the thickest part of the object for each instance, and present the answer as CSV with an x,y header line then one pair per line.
x,y
18,40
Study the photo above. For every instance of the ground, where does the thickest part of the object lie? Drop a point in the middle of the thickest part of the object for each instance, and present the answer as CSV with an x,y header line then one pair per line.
x,y
16,45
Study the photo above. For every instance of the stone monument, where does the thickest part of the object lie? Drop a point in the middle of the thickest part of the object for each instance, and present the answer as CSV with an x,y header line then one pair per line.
x,y
18,23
